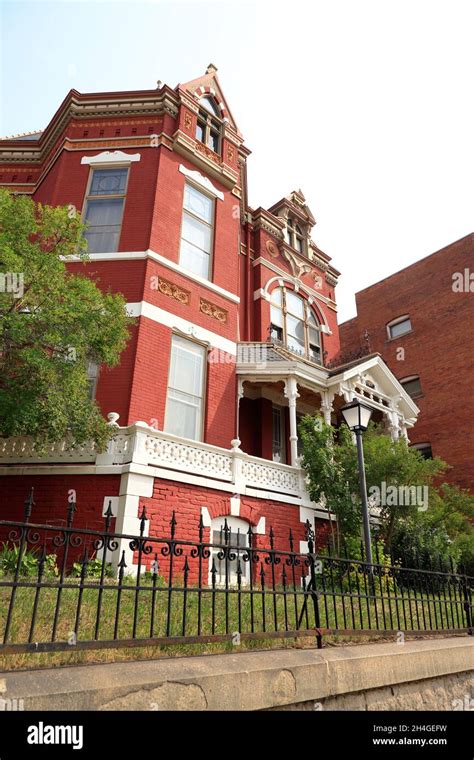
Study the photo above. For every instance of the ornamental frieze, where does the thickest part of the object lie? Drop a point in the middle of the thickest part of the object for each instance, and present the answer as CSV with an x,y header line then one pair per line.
x,y
170,289
211,310
201,148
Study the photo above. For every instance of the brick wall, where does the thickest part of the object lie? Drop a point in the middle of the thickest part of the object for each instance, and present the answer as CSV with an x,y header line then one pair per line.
x,y
439,348
51,493
187,500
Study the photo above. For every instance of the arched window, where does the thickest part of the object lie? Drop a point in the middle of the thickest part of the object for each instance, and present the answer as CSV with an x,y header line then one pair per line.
x,y
229,536
294,324
294,235
208,128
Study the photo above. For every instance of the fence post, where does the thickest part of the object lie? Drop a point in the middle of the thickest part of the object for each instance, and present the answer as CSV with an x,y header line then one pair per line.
x,y
466,590
313,584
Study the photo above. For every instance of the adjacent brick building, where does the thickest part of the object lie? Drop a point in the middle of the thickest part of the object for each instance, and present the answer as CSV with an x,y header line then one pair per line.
x,y
421,320
236,320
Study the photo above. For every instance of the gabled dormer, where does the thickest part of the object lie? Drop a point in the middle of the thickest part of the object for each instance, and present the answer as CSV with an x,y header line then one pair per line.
x,y
298,220
207,132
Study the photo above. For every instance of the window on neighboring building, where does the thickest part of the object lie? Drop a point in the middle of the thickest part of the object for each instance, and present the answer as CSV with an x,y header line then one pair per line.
x,y
278,434
104,209
294,235
197,231
235,535
208,128
185,397
412,386
399,327
294,323
424,449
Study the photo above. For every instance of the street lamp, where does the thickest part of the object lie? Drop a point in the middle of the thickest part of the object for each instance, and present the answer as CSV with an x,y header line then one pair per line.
x,y
357,417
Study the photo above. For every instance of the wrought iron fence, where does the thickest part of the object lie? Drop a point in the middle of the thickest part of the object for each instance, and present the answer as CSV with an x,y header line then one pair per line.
x,y
64,587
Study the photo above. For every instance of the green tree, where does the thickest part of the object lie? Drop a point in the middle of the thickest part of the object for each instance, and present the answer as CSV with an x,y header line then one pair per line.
x,y
444,528
53,323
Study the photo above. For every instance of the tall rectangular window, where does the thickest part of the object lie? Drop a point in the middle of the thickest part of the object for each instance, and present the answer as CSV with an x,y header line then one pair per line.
x,y
197,231
185,397
104,209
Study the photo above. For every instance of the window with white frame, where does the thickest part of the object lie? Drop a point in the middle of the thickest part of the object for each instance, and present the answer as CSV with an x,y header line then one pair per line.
x,y
104,209
412,386
278,434
197,231
185,397
209,125
293,323
398,327
294,235
229,535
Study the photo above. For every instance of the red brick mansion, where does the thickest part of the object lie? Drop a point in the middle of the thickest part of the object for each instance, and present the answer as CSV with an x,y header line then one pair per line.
x,y
236,330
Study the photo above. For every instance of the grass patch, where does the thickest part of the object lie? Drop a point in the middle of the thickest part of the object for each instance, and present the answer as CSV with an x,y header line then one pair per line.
x,y
151,610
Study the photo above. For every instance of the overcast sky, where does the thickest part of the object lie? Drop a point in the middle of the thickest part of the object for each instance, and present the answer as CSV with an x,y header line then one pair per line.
x,y
367,106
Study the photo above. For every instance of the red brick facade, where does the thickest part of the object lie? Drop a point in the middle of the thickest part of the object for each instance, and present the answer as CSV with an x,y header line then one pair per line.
x,y
255,254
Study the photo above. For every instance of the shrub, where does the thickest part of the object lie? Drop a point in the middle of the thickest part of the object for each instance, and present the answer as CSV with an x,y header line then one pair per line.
x,y
9,558
94,569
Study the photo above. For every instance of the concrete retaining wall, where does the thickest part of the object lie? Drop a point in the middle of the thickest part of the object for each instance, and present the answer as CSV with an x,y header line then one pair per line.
x,y
414,675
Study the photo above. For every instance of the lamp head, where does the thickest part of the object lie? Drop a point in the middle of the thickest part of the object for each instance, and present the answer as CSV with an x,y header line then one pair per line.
x,y
356,415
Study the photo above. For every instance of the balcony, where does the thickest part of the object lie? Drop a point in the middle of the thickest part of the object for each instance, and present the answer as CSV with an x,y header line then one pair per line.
x,y
140,445
271,352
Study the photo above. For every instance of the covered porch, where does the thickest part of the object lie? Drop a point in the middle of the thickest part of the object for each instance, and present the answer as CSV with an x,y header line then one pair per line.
x,y
276,388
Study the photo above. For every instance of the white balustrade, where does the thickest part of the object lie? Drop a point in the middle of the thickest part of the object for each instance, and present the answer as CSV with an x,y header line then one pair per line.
x,y
21,450
141,444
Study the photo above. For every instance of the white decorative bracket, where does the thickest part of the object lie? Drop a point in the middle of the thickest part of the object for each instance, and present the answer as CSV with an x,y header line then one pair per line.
x,y
200,179
111,157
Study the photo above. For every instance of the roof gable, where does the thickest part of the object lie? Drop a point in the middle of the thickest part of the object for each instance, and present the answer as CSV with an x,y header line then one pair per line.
x,y
208,84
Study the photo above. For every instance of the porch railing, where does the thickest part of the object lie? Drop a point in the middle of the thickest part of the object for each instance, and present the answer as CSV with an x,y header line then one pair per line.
x,y
144,445
58,590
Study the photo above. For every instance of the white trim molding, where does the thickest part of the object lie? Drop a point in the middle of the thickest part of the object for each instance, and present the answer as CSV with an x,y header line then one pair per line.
x,y
156,314
202,181
111,157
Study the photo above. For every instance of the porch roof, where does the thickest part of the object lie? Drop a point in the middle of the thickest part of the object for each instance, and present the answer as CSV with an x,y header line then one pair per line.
x,y
367,377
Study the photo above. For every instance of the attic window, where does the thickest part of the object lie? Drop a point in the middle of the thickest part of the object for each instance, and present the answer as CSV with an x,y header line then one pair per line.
x,y
295,236
208,127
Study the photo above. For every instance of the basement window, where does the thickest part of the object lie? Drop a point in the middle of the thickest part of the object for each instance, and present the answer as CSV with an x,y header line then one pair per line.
x,y
226,532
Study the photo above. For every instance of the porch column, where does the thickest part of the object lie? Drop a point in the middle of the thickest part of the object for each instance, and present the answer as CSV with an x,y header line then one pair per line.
x,y
393,424
327,400
404,433
291,393
240,395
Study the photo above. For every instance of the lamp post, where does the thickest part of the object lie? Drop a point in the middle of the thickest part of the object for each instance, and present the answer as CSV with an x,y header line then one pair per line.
x,y
357,417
